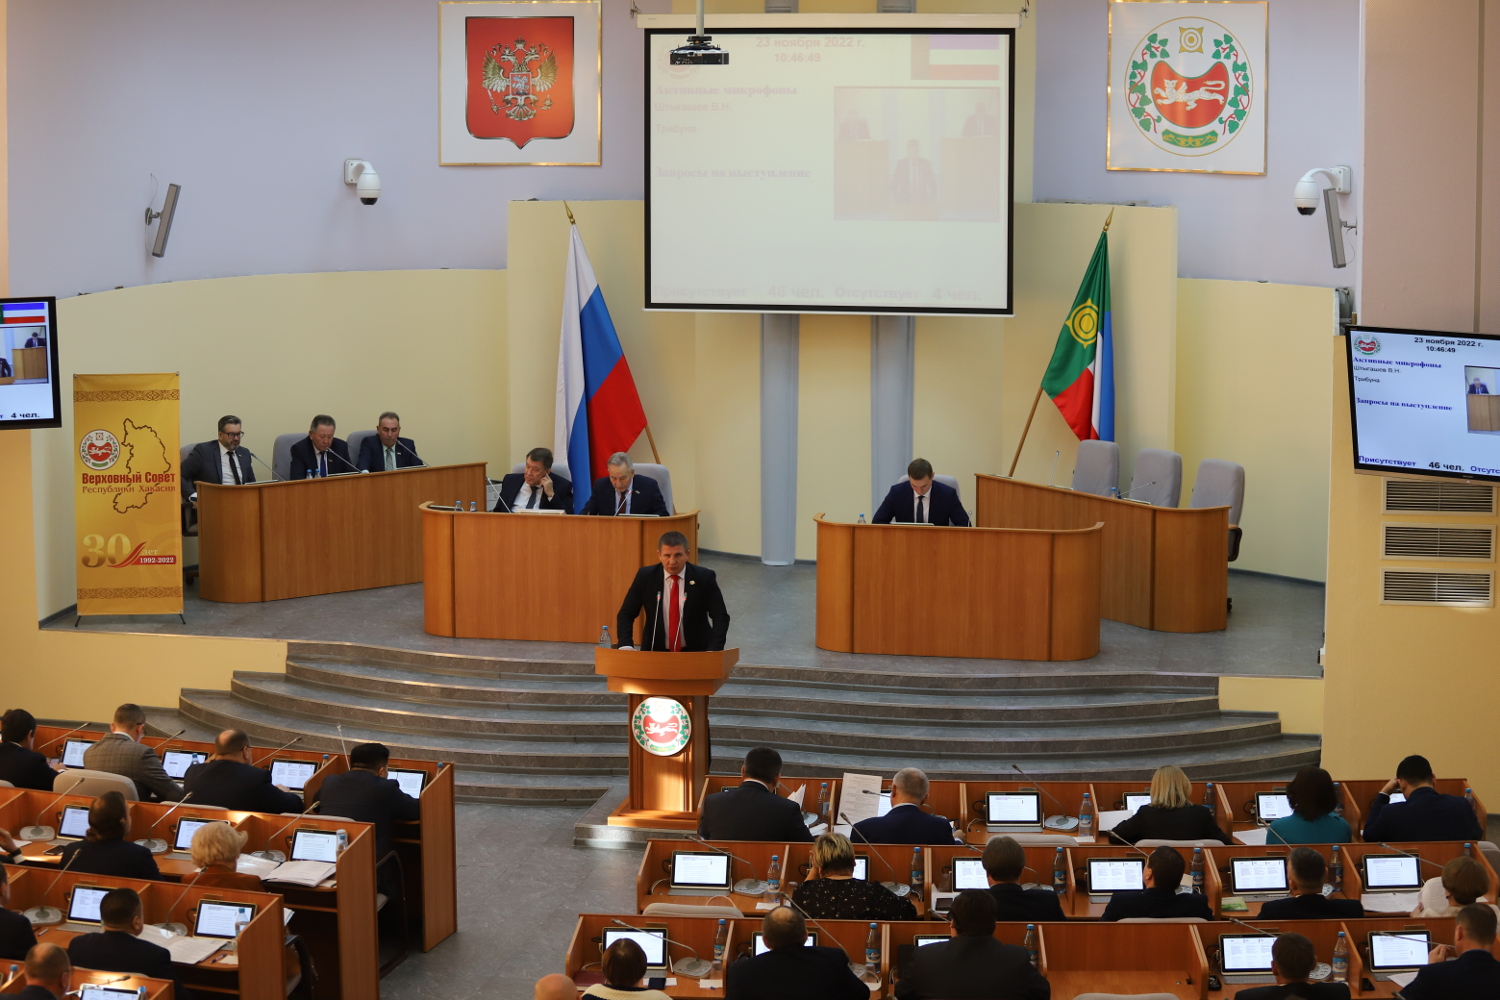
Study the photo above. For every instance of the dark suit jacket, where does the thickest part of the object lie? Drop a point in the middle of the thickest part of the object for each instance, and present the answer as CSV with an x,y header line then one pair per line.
x,y
1471,976
943,509
119,754
705,620
902,187
794,974
304,457
37,993
1030,905
1187,823
234,784
365,796
1157,903
16,935
117,951
1315,906
120,858
1426,814
904,824
751,812
25,768
971,967
5,371
1479,390
1297,991
372,454
645,498
562,493
202,465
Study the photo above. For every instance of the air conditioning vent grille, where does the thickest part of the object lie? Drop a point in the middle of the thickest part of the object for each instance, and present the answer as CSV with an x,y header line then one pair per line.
x,y
1436,587
1414,496
1439,541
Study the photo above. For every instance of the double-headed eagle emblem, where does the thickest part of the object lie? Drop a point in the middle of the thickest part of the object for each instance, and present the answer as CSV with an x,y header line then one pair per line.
x,y
513,77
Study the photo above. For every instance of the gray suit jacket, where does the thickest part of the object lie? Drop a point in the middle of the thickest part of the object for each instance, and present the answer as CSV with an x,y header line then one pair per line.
x,y
119,754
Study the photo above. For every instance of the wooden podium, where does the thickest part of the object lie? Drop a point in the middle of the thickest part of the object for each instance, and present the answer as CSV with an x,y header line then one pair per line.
x,y
663,786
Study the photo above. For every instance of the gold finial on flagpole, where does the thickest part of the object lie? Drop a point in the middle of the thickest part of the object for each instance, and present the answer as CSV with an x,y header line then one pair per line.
x,y
573,222
1106,221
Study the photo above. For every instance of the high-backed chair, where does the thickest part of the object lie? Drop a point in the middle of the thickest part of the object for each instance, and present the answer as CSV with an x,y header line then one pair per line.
x,y
355,440
82,781
691,910
661,474
1222,484
1097,468
1158,477
281,454
189,515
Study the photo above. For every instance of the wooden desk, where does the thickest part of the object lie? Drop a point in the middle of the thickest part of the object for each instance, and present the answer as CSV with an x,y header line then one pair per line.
x,y
1029,594
1439,929
1161,568
1484,412
1111,795
1123,958
1057,797
1359,793
1434,854
1219,858
270,541
1078,905
697,933
751,860
29,363
156,989
470,562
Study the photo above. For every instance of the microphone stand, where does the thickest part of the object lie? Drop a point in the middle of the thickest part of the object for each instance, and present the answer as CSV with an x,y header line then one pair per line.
x,y
171,925
895,885
36,831
420,464
274,477
751,886
693,968
1135,489
657,623
164,742
44,914
152,844
64,736
265,853
1408,854
278,750
1063,822
341,458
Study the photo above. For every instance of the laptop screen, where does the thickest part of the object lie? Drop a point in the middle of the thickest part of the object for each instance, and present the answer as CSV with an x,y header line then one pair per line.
x,y
94,992
72,755
700,870
75,822
186,827
1020,808
1258,874
759,941
292,774
862,866
652,942
1246,952
217,920
968,873
1391,871
83,907
1272,805
411,781
1134,802
1392,950
176,762
1116,874
315,845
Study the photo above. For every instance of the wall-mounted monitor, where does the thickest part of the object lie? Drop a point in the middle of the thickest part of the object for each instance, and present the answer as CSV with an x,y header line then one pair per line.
x,y
30,395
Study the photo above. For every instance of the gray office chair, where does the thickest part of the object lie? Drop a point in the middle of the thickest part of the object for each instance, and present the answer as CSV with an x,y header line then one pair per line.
x,y
1097,468
281,454
189,515
1158,477
1222,484
356,440
82,781
663,477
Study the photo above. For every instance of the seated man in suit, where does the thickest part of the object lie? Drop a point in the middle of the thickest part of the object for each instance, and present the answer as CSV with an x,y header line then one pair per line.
x,y
17,936
1471,975
753,811
20,764
906,823
921,500
1425,815
5,371
230,779
623,492
367,794
117,949
791,970
35,342
1307,901
1293,959
1478,388
48,975
973,964
388,450
223,461
321,454
1004,861
122,752
1160,898
537,488
684,608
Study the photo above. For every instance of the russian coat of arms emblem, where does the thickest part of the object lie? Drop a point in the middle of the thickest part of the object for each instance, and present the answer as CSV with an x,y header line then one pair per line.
x,y
520,78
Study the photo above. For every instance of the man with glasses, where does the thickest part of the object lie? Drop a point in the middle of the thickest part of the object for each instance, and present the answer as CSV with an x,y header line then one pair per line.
x,y
222,461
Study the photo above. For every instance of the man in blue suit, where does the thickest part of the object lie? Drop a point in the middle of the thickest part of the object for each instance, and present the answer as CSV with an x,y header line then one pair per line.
x,y
1474,973
538,488
388,450
320,453
1426,814
623,492
906,823
921,500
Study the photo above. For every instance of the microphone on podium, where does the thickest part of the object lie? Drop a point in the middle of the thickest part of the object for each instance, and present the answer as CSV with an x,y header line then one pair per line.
x,y
413,454
274,477
154,844
341,458
278,750
44,914
37,831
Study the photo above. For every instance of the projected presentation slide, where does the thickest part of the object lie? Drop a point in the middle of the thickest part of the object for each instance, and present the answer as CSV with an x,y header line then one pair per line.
x,y
29,395
857,170
1425,403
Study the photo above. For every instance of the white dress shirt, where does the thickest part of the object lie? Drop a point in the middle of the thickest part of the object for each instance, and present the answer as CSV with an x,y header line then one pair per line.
x,y
226,472
916,498
523,495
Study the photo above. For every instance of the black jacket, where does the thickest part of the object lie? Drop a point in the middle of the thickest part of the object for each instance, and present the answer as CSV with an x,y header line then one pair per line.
x,y
203,464
751,812
1427,814
1030,905
1186,823
971,967
943,507
117,951
36,993
1297,991
510,488
645,498
1474,975
234,784
1313,906
366,797
119,858
305,457
705,620
25,768
905,824
1155,902
794,974
16,934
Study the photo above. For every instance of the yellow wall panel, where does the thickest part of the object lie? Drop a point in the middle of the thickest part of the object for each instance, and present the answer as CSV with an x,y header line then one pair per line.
x,y
958,389
833,424
727,428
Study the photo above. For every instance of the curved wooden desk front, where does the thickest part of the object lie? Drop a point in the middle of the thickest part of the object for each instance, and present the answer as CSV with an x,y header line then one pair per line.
x,y
1163,568
917,590
542,577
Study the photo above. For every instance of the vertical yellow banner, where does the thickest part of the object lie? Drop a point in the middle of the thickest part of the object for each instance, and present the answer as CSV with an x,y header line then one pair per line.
x,y
127,513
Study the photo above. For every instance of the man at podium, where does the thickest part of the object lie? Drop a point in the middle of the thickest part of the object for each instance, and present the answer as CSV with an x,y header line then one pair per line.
x,y
684,608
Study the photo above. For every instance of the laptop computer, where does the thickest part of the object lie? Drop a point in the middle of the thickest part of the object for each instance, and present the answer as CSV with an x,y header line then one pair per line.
x,y
759,947
292,774
1397,951
411,781
176,762
1134,801
1108,876
1246,958
1391,873
315,845
217,919
1271,806
653,941
1259,879
83,904
186,827
72,755
74,824
699,873
1013,811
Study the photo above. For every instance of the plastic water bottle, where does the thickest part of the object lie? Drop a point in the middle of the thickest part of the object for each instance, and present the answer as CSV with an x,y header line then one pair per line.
x,y
918,875
15,970
773,880
604,640
823,801
1341,959
140,993
721,938
1198,870
458,506
1468,850
343,836
1086,818
325,761
311,474
872,951
1059,873
1336,870
861,520
473,507
1208,799
1030,942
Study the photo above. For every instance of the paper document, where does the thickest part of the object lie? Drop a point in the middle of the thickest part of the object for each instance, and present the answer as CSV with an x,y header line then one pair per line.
x,y
308,873
192,950
1389,902
1403,979
859,797
157,935
1111,818
798,795
1252,838
259,867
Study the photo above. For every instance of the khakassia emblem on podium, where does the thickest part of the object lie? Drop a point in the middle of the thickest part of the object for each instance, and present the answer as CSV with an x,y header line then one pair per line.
x,y
661,726
1188,86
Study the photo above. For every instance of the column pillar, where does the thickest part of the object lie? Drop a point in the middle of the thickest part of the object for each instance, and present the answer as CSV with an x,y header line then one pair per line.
x,y
892,400
779,358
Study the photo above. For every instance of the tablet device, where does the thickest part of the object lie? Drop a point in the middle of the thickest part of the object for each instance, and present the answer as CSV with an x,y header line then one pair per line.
x,y
93,992
1243,954
1396,951
885,804
72,755
759,941
704,871
176,762
75,823
653,942
411,781
83,904
1014,809
862,867
1134,802
1107,875
1389,872
926,939
217,919
1272,806
1258,875
292,774
968,873
186,827
315,845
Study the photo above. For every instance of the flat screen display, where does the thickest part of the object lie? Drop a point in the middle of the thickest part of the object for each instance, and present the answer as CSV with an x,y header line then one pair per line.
x,y
1393,950
1391,871
1134,802
315,845
968,873
859,170
1018,808
176,762
220,920
1272,805
1116,874
29,382
75,822
292,774
72,755
652,942
761,948
410,781
1258,874
83,904
1244,953
862,866
186,827
1425,403
700,870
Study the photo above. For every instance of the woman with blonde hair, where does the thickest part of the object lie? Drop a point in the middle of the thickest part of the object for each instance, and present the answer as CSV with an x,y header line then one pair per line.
x,y
831,891
1171,814
216,850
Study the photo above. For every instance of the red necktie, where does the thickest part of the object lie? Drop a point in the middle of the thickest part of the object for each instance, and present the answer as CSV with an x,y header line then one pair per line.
x,y
674,614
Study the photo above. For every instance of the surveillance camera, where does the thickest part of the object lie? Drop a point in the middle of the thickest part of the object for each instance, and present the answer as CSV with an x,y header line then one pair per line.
x,y
1305,196
365,180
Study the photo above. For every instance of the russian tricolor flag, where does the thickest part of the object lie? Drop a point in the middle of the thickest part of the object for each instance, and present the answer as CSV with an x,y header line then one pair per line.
x,y
28,313
598,409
